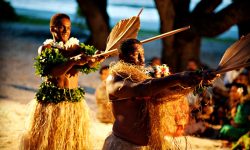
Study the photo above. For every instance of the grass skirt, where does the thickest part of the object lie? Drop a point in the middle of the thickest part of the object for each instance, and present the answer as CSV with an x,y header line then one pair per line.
x,y
166,116
61,126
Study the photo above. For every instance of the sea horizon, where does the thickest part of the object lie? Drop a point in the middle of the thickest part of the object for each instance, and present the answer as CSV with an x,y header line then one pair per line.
x,y
117,10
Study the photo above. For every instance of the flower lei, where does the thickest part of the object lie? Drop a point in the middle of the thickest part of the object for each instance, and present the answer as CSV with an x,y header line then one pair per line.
x,y
71,42
50,57
160,71
49,93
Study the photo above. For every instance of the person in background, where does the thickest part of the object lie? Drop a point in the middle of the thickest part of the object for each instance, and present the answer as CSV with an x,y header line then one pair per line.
x,y
243,78
192,65
155,61
239,122
104,113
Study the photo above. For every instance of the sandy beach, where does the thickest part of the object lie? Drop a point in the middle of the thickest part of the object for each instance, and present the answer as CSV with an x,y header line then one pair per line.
x,y
18,85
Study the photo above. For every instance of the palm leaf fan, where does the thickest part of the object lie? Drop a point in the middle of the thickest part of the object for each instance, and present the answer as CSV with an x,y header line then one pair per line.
x,y
236,56
109,52
124,29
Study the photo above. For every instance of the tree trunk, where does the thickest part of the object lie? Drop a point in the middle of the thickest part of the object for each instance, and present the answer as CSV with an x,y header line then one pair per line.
x,y
167,14
186,44
97,19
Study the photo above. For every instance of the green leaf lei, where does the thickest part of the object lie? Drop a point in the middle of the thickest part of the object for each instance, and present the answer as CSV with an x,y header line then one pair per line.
x,y
50,57
88,50
49,93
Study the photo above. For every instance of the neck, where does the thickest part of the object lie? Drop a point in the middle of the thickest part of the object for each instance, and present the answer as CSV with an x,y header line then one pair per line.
x,y
124,70
58,40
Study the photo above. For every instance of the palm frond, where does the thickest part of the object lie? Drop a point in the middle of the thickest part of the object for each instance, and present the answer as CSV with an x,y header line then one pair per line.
x,y
236,56
124,29
113,51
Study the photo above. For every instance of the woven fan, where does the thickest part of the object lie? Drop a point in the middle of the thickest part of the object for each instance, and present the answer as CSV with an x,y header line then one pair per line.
x,y
124,29
236,56
148,40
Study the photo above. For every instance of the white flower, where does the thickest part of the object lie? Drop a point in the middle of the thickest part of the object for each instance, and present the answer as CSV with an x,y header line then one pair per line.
x,y
71,42
48,41
59,45
240,90
162,69
157,68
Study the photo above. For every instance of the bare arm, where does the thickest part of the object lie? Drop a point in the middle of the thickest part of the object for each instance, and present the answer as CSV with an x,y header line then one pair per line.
x,y
62,69
125,88
74,51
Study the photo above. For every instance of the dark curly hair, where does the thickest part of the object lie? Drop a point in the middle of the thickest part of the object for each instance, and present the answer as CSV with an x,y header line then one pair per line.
x,y
127,46
103,68
238,85
55,18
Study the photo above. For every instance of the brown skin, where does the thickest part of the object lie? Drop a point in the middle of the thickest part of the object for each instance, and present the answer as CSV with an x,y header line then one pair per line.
x,y
192,66
66,75
104,74
129,98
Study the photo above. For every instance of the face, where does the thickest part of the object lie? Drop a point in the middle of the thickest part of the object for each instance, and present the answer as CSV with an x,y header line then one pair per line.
x,y
192,66
243,79
136,57
104,74
61,30
235,93
156,62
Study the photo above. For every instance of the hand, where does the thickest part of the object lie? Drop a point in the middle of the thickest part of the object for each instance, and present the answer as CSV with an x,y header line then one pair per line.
x,y
191,78
84,60
93,62
102,57
98,52
98,59
208,76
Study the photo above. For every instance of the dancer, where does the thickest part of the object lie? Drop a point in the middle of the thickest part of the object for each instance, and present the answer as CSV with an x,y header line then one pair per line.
x,y
138,100
60,119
